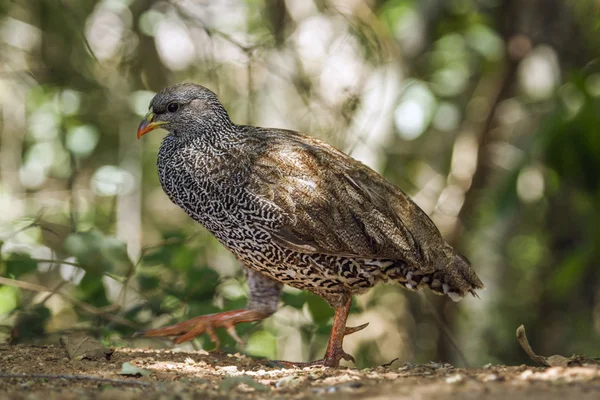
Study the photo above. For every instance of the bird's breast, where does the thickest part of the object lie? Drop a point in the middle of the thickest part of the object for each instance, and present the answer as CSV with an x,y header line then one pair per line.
x,y
211,190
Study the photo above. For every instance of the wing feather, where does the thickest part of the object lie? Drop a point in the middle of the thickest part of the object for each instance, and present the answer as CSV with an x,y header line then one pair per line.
x,y
336,205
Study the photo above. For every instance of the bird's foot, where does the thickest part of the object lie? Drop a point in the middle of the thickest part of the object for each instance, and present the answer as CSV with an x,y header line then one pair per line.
x,y
330,360
188,330
335,353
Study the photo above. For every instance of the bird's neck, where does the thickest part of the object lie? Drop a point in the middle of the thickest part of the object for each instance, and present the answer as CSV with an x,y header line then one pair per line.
x,y
213,135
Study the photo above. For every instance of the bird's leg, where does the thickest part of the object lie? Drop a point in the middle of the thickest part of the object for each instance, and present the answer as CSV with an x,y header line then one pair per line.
x,y
335,353
189,329
262,302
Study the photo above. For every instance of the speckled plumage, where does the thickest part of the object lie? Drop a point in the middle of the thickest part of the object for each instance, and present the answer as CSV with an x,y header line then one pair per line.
x,y
295,210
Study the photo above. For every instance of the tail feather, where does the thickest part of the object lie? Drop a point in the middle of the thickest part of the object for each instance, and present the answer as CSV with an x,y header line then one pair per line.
x,y
461,278
455,279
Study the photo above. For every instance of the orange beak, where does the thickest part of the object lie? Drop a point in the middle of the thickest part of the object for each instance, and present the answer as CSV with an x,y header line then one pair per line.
x,y
148,124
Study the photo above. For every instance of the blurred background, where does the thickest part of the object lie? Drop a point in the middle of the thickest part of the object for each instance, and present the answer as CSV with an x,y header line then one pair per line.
x,y
485,111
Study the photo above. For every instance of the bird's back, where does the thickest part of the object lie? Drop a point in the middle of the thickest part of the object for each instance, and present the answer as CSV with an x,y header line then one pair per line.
x,y
335,205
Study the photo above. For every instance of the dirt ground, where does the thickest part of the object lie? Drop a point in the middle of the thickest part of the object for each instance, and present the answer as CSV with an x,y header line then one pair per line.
x,y
190,375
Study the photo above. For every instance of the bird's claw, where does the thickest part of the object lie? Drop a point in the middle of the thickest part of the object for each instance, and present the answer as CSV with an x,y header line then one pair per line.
x,y
332,360
353,329
231,331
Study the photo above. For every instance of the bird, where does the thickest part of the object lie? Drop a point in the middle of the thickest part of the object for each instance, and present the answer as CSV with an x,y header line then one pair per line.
x,y
294,211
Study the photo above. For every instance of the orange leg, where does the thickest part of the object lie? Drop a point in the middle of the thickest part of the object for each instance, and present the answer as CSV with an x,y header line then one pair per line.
x,y
335,352
189,329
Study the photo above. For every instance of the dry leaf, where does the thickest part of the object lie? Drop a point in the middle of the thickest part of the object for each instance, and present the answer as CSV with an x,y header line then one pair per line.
x,y
80,346
552,361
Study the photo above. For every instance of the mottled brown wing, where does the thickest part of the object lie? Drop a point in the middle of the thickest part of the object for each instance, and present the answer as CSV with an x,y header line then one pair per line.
x,y
335,204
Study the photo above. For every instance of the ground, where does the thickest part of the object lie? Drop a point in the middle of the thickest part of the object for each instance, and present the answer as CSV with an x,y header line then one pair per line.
x,y
187,375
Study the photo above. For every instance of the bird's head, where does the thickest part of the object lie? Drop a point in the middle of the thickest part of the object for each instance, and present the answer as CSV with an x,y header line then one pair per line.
x,y
184,109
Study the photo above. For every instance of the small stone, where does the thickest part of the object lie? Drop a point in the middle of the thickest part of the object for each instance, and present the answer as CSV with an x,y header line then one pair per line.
x,y
229,368
288,381
456,378
491,378
525,375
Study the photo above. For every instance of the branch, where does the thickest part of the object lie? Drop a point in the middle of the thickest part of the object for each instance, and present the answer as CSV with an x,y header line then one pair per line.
x,y
48,260
74,377
86,307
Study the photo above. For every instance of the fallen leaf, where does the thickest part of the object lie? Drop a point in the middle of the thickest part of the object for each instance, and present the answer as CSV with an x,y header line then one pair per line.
x,y
522,339
80,346
558,361
555,360
131,370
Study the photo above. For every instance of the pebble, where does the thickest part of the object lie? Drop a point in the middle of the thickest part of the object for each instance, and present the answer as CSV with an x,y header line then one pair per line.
x,y
456,378
229,368
491,378
288,381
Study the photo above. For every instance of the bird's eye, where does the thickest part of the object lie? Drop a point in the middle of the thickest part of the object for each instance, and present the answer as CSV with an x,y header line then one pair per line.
x,y
172,107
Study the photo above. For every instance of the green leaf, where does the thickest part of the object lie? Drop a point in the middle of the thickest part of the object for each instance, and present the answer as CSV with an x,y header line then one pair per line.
x,y
18,264
183,258
31,324
91,290
262,344
131,370
319,309
201,308
158,256
202,283
10,297
148,282
296,300
97,253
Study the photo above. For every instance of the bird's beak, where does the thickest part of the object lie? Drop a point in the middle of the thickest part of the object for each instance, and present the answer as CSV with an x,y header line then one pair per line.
x,y
148,124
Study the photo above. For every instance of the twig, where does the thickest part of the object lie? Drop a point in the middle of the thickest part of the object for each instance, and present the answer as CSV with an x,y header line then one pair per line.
x,y
389,364
58,262
251,95
53,292
166,242
74,377
86,307
144,250
35,223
